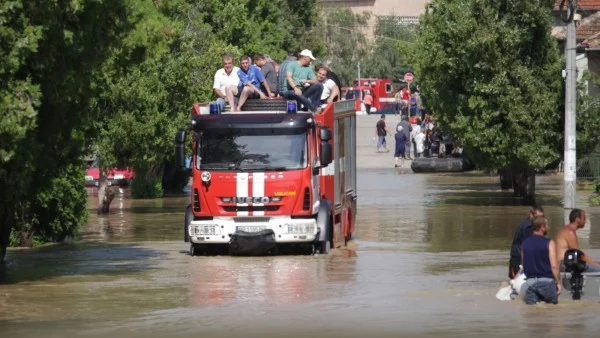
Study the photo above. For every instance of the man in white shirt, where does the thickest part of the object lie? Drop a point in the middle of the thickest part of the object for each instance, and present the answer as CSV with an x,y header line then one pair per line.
x,y
224,78
330,89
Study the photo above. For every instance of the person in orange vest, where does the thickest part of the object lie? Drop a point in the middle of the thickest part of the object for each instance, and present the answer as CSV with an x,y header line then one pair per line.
x,y
368,101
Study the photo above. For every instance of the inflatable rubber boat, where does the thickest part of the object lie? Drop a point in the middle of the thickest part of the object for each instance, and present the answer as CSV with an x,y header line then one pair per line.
x,y
441,164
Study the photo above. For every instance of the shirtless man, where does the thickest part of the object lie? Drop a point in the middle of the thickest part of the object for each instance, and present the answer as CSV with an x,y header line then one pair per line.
x,y
566,239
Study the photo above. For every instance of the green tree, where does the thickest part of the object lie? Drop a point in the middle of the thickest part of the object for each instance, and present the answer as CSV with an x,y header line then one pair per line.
x,y
491,72
20,97
588,117
392,40
167,62
302,19
49,51
345,39
117,74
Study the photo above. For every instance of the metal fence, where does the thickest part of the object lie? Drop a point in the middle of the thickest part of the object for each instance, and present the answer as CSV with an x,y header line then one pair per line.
x,y
588,168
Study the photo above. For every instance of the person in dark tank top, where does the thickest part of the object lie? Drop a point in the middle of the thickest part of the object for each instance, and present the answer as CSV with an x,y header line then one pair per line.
x,y
522,232
540,265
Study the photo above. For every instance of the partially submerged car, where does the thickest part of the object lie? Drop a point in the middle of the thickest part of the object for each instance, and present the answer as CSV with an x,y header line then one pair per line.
x,y
114,176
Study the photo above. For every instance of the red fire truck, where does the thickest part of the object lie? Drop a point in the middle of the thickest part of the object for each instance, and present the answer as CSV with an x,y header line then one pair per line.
x,y
380,89
267,179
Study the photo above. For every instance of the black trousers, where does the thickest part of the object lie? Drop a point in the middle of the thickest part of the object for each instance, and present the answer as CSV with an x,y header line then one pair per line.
x,y
513,268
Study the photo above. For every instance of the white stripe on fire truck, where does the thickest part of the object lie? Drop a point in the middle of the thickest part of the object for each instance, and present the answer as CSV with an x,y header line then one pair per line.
x,y
241,190
258,190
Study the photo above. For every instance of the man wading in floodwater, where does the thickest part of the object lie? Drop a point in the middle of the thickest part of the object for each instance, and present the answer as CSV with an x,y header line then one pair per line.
x,y
566,239
540,265
522,233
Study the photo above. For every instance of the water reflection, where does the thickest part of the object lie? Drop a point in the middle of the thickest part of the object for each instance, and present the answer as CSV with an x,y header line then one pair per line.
x,y
441,213
431,251
136,219
271,280
562,320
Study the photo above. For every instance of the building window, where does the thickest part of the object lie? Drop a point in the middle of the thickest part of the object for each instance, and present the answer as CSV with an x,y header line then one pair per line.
x,y
401,20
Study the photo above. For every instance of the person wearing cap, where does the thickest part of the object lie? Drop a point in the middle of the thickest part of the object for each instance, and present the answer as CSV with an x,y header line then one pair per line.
x,y
406,129
302,84
399,153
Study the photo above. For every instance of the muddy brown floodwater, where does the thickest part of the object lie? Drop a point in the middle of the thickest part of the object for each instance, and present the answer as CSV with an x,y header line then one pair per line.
x,y
429,254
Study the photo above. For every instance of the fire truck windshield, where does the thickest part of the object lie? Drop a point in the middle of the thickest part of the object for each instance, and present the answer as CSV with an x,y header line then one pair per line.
x,y
252,149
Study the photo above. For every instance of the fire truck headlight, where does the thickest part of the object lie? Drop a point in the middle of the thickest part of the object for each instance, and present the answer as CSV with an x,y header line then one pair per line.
x,y
276,199
226,199
205,176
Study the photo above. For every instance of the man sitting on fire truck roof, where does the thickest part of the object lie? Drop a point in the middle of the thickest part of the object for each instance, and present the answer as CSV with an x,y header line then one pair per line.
x,y
267,68
302,84
249,88
224,78
331,91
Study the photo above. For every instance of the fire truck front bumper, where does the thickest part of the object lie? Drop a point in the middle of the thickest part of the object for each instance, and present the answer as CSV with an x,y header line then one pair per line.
x,y
221,229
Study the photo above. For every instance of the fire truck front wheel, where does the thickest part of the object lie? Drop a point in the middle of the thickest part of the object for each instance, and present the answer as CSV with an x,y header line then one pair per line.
x,y
193,250
324,222
188,219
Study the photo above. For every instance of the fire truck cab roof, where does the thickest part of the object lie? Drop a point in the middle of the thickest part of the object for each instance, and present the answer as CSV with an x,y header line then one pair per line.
x,y
254,120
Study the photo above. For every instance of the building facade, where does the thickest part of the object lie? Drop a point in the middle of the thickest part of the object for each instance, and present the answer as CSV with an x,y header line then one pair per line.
x,y
402,8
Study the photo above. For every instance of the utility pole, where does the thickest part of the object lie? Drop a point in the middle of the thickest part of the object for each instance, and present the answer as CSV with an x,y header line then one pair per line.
x,y
359,73
570,174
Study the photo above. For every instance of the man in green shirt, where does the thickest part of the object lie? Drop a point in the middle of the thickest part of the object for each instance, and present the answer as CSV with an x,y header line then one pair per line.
x,y
302,84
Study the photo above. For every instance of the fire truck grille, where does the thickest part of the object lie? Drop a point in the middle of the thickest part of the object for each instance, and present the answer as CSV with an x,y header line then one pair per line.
x,y
196,204
251,219
257,208
306,203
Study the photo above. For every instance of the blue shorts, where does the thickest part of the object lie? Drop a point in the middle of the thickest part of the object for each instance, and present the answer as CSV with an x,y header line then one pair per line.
x,y
400,150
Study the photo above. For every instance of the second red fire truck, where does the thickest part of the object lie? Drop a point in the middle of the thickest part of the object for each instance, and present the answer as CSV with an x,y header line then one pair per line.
x,y
380,89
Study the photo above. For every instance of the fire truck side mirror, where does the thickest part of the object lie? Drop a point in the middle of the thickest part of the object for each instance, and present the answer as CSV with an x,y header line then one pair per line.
x,y
180,148
326,153
325,134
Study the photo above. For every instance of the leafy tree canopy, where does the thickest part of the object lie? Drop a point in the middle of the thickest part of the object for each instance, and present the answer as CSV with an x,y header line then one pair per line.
x,y
167,61
117,74
346,41
491,72
392,41
49,51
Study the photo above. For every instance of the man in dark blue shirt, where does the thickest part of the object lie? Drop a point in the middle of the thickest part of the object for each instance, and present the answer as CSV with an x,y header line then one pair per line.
x,y
522,233
540,265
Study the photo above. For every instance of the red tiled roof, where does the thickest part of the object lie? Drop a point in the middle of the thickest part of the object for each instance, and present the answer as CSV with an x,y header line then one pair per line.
x,y
591,42
588,4
586,28
581,4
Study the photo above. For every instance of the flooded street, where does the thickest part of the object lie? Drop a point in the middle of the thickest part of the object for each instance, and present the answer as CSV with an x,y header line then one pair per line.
x,y
429,254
